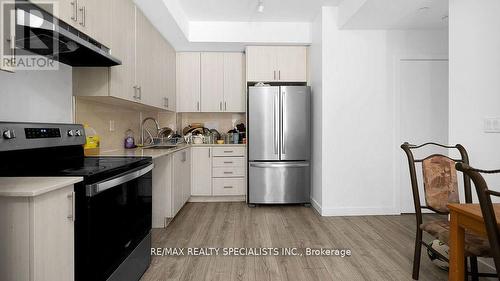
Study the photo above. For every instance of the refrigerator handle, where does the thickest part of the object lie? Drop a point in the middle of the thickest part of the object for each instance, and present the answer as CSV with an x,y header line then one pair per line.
x,y
280,165
276,123
283,124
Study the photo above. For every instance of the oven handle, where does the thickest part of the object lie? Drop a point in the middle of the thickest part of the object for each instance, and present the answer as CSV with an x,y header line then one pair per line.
x,y
96,188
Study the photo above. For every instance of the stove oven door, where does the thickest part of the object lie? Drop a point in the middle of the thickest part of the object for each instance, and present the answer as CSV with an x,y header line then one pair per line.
x,y
113,238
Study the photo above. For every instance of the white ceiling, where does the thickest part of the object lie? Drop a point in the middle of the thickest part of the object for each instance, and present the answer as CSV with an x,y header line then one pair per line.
x,y
400,14
246,10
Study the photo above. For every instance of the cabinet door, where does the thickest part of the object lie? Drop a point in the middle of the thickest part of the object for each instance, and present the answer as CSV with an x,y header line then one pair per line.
x,y
177,189
7,51
153,86
66,10
261,63
122,77
145,59
187,176
292,63
97,20
162,191
53,235
168,75
234,82
202,171
188,82
212,82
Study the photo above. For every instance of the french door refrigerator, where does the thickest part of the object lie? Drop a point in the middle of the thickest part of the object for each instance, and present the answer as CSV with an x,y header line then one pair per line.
x,y
279,133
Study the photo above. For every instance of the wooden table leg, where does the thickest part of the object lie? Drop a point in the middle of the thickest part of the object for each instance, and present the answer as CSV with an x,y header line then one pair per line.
x,y
457,248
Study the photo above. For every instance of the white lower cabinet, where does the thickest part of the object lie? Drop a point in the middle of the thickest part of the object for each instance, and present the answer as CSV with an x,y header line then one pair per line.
x,y
196,172
218,171
182,179
201,177
228,186
171,186
37,237
162,191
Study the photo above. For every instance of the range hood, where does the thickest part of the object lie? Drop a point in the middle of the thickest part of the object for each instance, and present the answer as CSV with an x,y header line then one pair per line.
x,y
41,33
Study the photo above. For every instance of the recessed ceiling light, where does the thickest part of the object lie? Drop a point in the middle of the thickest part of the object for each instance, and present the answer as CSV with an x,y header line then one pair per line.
x,y
260,8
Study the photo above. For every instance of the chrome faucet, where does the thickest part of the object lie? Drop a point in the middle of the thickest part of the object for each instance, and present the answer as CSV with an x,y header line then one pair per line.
x,y
145,130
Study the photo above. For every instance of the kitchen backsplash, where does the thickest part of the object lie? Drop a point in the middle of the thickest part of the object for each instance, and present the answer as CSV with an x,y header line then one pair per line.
x,y
99,115
222,122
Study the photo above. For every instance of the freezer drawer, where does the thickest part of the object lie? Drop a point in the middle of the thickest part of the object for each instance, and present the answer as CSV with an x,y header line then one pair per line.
x,y
279,182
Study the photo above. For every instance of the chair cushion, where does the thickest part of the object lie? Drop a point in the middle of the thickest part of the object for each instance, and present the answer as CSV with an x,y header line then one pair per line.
x,y
440,182
475,245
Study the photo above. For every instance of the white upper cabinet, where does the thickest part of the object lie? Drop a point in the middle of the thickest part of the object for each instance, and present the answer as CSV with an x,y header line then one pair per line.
x,y
234,82
291,63
261,63
188,82
277,63
147,73
212,82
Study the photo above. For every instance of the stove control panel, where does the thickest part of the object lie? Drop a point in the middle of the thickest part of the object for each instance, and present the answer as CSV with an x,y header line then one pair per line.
x,y
42,133
18,136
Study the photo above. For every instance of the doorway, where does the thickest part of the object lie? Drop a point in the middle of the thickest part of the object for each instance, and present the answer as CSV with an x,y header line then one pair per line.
x,y
422,89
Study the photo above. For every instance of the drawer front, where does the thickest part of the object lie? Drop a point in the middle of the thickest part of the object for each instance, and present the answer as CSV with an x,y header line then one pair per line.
x,y
229,151
223,187
228,161
228,172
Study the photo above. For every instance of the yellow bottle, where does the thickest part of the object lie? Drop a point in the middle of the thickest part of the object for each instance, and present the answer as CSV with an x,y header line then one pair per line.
x,y
92,139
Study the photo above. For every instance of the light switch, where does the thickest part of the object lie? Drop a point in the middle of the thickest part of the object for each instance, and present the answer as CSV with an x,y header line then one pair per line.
x,y
111,125
492,125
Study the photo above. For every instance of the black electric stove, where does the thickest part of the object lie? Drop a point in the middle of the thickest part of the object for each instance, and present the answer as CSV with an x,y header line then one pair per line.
x,y
112,204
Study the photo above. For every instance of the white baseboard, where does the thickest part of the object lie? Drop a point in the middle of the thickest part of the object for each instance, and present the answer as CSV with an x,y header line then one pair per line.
x,y
358,211
316,206
198,199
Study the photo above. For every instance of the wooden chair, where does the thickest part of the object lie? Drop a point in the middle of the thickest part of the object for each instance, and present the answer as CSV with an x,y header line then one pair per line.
x,y
490,219
441,188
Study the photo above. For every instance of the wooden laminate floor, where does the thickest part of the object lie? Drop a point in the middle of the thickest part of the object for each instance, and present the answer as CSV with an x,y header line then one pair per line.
x,y
382,246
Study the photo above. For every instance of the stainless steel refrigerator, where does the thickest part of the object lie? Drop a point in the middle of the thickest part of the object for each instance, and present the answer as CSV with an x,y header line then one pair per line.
x,y
279,148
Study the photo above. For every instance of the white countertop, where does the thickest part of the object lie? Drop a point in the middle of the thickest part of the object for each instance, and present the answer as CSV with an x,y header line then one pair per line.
x,y
156,152
33,186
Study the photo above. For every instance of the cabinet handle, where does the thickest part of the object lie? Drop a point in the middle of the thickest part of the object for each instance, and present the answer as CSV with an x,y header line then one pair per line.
x,y
83,9
228,162
220,106
228,186
274,74
279,74
140,92
198,106
71,197
74,16
228,151
228,173
135,92
225,106
167,103
209,153
13,49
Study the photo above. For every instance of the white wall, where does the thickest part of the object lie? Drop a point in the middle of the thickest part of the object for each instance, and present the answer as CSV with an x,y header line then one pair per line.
x,y
316,82
358,108
475,79
37,96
